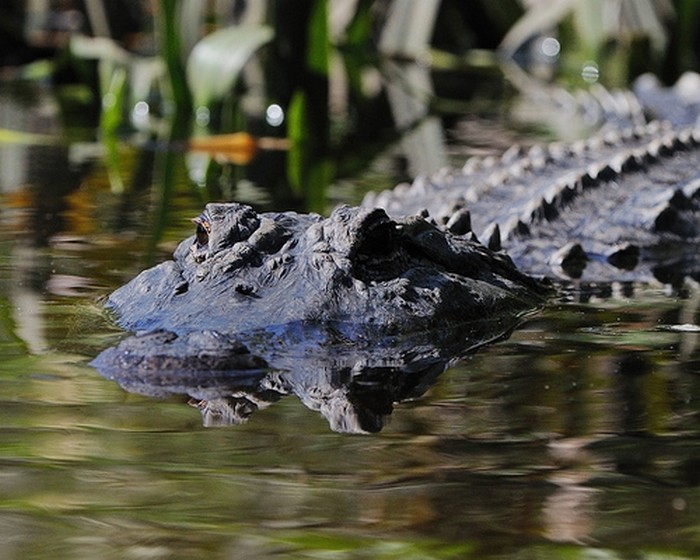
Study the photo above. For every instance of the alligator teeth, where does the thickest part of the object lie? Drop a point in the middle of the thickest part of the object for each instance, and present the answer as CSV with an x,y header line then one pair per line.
x,y
567,193
629,162
458,204
609,172
512,154
558,151
654,150
471,236
686,138
549,210
537,158
666,146
521,228
472,165
692,189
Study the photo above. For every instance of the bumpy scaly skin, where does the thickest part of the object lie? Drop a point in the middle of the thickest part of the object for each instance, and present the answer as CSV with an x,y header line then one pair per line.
x,y
366,275
623,206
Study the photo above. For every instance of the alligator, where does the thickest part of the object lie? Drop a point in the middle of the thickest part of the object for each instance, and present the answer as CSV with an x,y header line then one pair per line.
x,y
401,281
257,306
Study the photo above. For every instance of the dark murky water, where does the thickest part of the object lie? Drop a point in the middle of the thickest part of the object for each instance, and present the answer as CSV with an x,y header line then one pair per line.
x,y
577,437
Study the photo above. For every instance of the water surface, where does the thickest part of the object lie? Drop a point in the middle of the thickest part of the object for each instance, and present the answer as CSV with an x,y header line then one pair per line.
x,y
577,437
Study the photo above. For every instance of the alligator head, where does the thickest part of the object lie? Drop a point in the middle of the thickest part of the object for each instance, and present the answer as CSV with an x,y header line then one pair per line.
x,y
357,270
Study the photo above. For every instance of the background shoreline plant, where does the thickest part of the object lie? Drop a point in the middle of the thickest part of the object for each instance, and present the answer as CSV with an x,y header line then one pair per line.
x,y
194,75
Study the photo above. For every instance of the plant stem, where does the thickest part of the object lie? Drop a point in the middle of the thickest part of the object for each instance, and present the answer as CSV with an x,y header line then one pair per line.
x,y
172,53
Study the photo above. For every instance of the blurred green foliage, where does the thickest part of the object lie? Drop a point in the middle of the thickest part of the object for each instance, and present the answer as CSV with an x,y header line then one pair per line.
x,y
176,69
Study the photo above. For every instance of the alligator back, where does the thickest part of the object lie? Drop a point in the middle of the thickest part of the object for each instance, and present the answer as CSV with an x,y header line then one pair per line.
x,y
623,205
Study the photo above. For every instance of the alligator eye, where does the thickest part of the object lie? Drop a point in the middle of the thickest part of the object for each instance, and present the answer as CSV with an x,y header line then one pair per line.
x,y
202,233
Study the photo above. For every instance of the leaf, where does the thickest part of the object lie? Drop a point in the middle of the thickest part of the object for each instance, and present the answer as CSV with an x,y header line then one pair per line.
x,y
318,50
171,49
99,48
9,136
408,29
308,173
216,61
298,159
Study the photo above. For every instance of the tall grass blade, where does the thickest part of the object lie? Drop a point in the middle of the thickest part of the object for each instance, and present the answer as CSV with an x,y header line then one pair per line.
x,y
172,53
110,120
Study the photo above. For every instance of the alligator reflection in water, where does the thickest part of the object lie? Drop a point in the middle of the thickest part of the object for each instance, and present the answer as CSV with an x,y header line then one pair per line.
x,y
354,387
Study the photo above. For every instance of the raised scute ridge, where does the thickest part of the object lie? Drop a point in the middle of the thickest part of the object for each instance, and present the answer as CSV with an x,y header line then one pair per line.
x,y
631,187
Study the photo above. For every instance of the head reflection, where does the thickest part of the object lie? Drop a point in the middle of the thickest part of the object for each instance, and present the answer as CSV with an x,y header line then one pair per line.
x,y
354,388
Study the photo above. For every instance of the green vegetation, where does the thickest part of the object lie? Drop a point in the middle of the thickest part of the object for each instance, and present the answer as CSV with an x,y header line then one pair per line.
x,y
327,70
